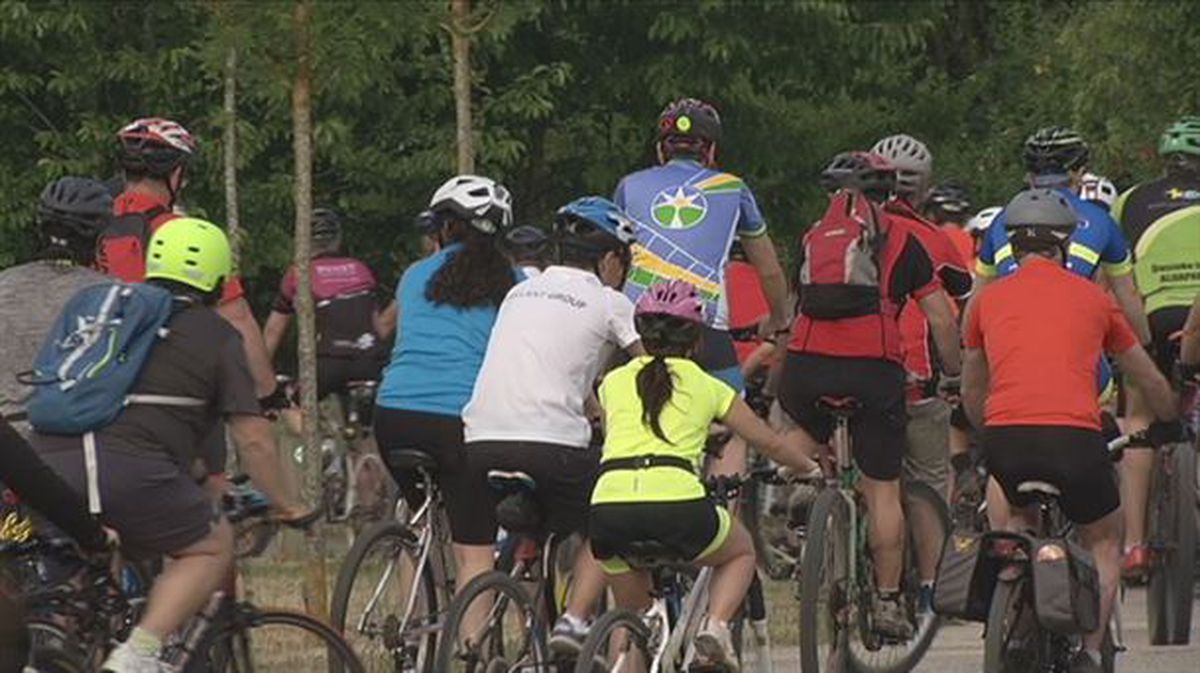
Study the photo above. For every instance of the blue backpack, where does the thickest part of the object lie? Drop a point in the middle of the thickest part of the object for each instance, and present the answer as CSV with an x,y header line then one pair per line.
x,y
93,355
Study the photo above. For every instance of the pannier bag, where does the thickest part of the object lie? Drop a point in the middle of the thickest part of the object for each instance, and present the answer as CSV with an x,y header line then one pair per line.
x,y
1066,587
968,571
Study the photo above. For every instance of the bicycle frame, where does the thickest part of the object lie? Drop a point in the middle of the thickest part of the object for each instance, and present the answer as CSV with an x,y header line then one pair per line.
x,y
845,480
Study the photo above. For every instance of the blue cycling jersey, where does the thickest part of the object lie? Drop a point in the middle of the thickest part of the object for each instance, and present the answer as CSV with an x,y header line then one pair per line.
x,y
686,217
1097,241
439,349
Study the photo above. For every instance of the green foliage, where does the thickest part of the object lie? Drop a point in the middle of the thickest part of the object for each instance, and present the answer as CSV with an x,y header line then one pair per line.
x,y
567,92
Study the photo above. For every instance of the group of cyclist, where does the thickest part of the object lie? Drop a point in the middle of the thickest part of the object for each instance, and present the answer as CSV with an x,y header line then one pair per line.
x,y
593,358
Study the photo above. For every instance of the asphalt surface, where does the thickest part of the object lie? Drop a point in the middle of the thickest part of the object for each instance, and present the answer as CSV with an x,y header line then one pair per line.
x,y
959,647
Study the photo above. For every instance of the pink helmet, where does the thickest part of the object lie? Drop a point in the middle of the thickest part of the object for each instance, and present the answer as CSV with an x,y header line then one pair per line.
x,y
675,298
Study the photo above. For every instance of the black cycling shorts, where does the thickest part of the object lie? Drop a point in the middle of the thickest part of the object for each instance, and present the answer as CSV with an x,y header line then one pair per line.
x,y
1166,323
1075,460
687,528
564,475
877,430
441,437
333,373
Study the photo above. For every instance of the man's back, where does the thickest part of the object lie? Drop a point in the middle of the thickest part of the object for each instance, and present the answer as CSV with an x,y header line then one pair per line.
x,y
1043,329
687,216
1141,206
31,296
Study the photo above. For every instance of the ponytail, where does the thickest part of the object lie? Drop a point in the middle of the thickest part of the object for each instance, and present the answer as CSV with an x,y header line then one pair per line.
x,y
655,387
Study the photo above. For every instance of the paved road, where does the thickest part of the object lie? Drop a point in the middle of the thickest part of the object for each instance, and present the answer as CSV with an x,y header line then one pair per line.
x,y
959,648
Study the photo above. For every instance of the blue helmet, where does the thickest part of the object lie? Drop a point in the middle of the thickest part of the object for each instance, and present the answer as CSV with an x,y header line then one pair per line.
x,y
594,213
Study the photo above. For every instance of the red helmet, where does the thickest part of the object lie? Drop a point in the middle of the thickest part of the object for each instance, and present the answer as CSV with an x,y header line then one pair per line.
x,y
155,146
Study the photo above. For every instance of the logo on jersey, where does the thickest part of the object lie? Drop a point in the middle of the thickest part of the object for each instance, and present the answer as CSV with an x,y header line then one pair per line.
x,y
679,207
1177,194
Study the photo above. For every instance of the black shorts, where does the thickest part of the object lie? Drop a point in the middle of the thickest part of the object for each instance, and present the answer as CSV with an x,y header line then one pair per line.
x,y
1165,326
155,504
718,357
876,430
564,475
688,528
441,437
333,373
1075,460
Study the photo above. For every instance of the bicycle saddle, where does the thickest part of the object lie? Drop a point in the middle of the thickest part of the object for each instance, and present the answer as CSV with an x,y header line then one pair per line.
x,y
365,385
511,482
1039,487
410,459
837,405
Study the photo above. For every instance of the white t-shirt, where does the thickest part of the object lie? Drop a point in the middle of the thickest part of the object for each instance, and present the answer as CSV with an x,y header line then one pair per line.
x,y
552,335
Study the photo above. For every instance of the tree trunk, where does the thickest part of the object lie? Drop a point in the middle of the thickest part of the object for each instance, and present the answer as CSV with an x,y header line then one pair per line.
x,y
460,47
230,142
314,563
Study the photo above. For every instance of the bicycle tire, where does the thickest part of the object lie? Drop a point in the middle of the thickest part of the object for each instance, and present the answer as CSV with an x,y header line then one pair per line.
x,y
1181,561
593,655
827,532
910,653
506,589
1009,596
227,647
1159,512
393,538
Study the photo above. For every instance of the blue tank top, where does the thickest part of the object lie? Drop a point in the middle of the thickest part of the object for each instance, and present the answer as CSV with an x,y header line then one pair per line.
x,y
686,217
439,349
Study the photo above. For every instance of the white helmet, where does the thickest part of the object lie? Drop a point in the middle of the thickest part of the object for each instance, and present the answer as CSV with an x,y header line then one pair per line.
x,y
1097,188
913,162
482,202
982,220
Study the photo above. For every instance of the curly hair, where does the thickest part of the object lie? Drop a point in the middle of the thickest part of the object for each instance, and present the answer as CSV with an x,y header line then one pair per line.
x,y
477,274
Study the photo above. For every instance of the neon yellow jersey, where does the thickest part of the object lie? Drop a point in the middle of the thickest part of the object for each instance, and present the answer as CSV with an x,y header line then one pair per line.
x,y
1168,260
698,399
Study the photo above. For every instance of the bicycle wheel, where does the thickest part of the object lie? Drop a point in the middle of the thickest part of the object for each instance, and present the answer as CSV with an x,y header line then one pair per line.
x,y
824,577
619,642
248,639
370,607
920,500
1172,523
492,626
1013,640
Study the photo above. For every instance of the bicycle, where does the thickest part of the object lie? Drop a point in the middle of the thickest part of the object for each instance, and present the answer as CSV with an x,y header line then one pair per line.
x,y
1015,641
659,638
76,619
394,584
836,582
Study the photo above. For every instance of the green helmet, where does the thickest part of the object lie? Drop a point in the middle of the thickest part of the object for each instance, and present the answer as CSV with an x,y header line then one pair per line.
x,y
189,251
1183,136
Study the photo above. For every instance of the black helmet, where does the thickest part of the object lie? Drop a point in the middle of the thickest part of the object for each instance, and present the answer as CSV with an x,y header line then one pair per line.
x,y
688,125
1054,150
1039,217
72,212
526,242
866,172
326,226
949,200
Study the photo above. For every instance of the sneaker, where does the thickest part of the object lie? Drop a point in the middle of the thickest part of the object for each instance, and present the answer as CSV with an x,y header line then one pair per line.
x,y
1136,564
1083,662
714,645
125,660
925,601
567,636
891,620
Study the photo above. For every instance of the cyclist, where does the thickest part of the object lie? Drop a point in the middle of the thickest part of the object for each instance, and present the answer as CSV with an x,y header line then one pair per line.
x,y
1098,190
978,226
687,208
747,309
350,333
144,455
526,247
1035,372
553,334
947,205
1162,218
657,410
862,356
447,305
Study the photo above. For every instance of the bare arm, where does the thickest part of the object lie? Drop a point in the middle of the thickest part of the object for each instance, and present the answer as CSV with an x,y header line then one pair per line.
x,y
1125,291
238,313
761,253
273,331
385,320
792,449
758,359
257,454
1190,346
1157,393
944,328
974,384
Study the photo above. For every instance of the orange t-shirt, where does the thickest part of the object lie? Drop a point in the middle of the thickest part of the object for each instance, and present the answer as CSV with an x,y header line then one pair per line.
x,y
1042,330
962,242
